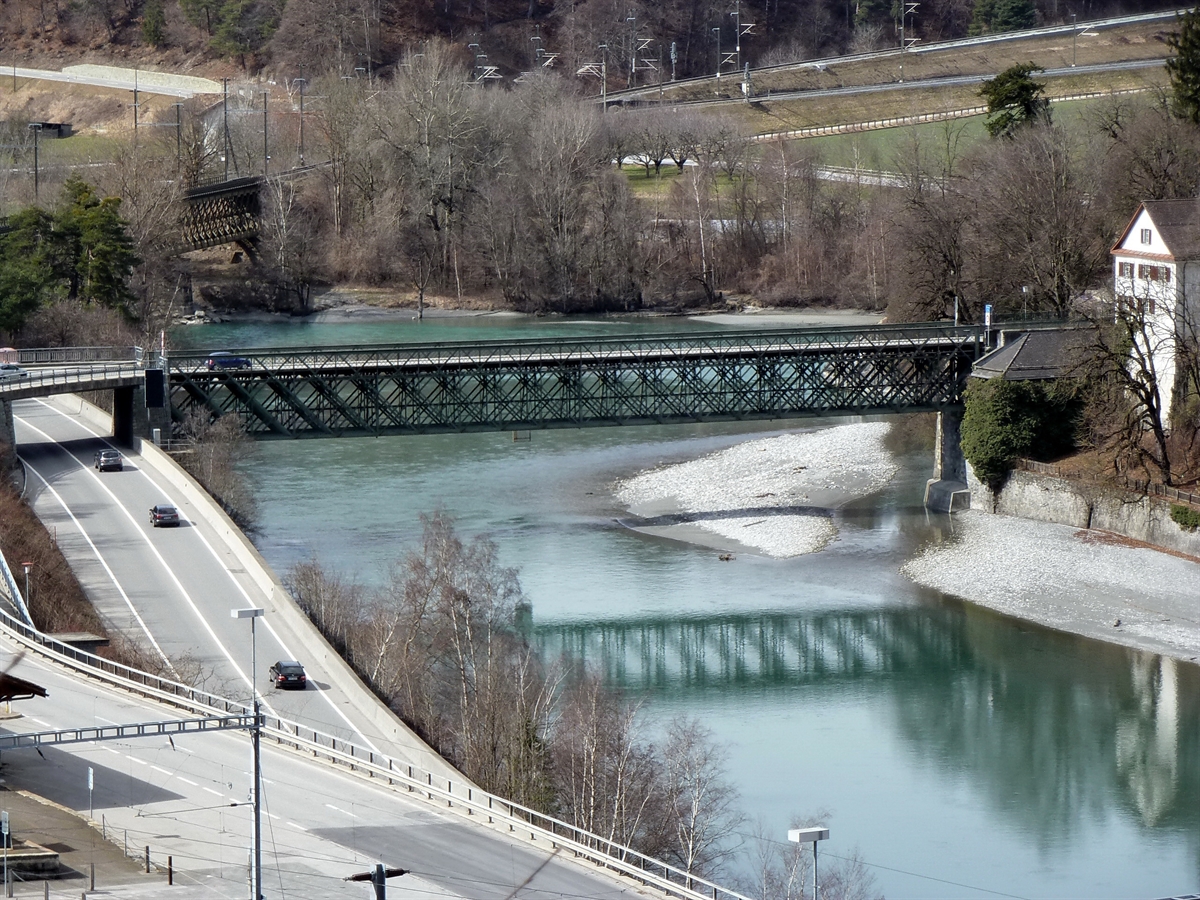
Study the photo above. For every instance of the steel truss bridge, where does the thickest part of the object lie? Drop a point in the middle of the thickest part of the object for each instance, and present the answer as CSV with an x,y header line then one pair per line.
x,y
573,383
223,213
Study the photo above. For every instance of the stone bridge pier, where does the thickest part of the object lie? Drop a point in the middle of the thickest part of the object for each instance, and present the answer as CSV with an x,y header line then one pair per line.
x,y
947,490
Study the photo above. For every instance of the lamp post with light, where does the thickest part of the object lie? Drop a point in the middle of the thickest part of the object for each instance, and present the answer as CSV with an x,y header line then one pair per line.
x,y
255,733
812,834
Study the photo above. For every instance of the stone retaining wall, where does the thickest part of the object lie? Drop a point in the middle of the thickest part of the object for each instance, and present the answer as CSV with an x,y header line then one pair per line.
x,y
1046,498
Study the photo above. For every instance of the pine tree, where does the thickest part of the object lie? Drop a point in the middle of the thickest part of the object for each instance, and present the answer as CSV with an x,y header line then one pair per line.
x,y
154,21
1014,99
1184,68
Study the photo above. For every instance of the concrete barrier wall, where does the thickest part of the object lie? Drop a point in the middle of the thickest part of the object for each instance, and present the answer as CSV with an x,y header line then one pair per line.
x,y
1045,498
409,746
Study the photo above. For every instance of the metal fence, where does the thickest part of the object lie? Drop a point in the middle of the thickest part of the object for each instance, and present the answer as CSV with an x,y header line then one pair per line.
x,y
332,750
1137,485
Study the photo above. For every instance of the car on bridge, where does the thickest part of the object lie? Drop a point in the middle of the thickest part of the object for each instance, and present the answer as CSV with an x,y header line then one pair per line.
x,y
287,673
10,372
108,459
164,514
222,359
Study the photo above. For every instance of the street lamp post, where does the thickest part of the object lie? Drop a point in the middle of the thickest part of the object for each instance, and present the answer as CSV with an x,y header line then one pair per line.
x,y
717,32
1074,35
255,733
812,834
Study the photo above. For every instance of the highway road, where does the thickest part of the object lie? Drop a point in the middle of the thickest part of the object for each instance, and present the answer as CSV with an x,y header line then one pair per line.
x,y
175,588
172,589
188,798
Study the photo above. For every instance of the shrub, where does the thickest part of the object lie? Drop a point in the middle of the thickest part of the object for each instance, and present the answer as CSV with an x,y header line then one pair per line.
x,y
1008,419
1185,517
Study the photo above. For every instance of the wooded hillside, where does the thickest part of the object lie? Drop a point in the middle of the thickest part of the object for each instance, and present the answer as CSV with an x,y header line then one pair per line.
x,y
642,40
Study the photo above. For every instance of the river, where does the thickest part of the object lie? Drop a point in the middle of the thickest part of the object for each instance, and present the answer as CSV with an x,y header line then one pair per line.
x,y
960,753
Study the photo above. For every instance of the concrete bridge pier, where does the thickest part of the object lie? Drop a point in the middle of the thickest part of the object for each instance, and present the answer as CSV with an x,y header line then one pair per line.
x,y
947,490
8,437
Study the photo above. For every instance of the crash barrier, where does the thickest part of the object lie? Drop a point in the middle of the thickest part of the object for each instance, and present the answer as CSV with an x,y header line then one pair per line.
x,y
444,792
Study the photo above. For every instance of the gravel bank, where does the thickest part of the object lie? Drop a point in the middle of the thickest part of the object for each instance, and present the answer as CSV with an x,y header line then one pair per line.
x,y
1085,582
773,496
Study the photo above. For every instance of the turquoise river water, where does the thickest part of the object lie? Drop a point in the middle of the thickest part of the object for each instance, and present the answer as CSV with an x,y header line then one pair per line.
x,y
960,753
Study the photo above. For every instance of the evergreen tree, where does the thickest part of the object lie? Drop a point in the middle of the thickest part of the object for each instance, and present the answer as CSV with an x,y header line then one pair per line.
x,y
1014,99
81,252
996,16
154,21
1184,68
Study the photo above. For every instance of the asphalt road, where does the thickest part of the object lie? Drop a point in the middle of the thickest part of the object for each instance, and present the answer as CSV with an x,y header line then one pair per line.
x,y
188,798
172,588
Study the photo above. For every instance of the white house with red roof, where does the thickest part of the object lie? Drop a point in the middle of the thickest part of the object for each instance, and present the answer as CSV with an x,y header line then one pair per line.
x,y
1156,270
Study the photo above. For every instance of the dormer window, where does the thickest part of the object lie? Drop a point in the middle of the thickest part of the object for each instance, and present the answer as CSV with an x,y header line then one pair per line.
x,y
1146,238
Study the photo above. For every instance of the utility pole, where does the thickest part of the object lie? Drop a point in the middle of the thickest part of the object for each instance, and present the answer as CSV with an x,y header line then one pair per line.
x,y
717,32
1074,37
178,140
37,130
255,733
225,119
303,82
266,158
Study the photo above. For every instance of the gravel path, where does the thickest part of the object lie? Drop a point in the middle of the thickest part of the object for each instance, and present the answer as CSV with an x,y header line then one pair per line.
x,y
772,496
1084,582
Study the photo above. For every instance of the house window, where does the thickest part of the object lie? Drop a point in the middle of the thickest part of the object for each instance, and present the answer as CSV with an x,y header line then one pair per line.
x,y
1125,270
1155,273
1146,238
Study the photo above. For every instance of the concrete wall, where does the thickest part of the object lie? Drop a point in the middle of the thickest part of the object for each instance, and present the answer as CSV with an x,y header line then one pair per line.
x,y
1045,498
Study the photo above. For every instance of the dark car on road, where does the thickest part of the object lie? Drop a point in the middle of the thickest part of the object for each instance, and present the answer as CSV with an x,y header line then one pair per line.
x,y
287,673
163,514
108,459
221,359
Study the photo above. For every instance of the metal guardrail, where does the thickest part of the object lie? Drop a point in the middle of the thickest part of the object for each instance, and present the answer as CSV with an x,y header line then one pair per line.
x,y
115,732
50,356
603,852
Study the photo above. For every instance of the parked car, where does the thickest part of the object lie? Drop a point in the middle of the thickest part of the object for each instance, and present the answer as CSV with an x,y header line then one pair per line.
x,y
108,459
287,673
10,372
163,515
221,359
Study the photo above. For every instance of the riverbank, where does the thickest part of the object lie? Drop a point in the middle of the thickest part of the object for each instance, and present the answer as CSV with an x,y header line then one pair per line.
x,y
1087,582
777,497
773,496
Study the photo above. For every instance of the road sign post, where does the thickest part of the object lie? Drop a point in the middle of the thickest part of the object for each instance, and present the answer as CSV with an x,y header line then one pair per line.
x,y
4,836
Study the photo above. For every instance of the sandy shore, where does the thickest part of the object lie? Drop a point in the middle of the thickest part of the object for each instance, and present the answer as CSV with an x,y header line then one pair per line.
x,y
1085,582
773,496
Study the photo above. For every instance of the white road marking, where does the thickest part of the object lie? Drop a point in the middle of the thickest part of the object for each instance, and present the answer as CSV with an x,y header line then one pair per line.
x,y
111,575
153,549
45,725
186,781
211,791
135,759
344,812
294,825
286,650
160,769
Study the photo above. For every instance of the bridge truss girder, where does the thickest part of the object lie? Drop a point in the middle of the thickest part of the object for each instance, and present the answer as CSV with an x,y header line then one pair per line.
x,y
315,394
224,213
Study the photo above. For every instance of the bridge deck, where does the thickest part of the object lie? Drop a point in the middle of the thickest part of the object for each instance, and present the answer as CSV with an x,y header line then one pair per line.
x,y
534,384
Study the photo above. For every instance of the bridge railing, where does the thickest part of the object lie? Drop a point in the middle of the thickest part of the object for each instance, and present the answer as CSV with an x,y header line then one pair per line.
x,y
53,356
721,343
669,879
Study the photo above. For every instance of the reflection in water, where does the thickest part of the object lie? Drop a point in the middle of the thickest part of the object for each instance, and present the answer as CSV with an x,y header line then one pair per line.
x,y
1050,728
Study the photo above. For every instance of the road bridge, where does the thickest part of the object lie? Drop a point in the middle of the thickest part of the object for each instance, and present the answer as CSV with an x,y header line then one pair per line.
x,y
575,383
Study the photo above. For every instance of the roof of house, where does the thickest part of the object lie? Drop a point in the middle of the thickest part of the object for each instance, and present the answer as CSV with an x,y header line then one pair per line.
x,y
1177,223
1035,356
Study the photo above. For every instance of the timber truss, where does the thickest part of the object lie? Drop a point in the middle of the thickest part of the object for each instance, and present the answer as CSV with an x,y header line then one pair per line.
x,y
536,384
222,213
